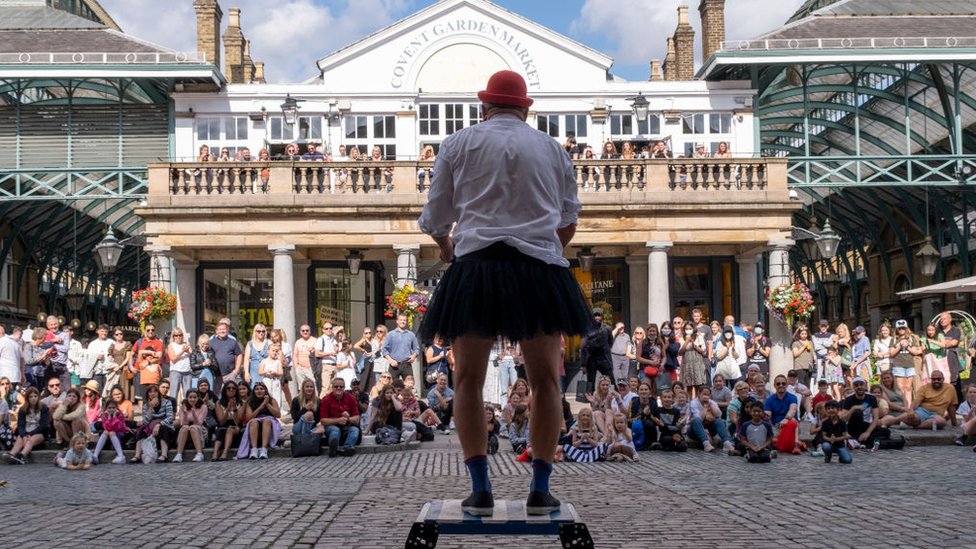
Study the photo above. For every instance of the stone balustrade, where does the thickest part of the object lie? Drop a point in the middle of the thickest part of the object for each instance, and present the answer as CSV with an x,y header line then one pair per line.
x,y
275,178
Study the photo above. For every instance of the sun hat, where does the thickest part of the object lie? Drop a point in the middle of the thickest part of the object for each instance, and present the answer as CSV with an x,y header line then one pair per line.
x,y
506,88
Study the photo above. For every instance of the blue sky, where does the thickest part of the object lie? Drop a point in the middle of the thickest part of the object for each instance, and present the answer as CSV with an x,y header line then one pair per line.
x,y
290,35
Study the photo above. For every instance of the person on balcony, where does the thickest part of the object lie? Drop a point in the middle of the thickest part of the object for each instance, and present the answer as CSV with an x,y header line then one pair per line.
x,y
609,152
377,156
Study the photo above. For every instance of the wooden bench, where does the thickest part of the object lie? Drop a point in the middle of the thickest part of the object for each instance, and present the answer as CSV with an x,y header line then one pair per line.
x,y
508,519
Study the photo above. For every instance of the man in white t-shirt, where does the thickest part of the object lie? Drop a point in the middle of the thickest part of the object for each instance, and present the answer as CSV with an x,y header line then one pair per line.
x,y
326,349
11,359
98,350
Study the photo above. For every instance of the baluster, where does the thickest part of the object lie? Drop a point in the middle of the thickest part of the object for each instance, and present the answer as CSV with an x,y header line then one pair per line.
x,y
367,177
672,176
209,175
297,177
640,177
761,176
388,177
694,172
320,180
578,174
354,175
174,178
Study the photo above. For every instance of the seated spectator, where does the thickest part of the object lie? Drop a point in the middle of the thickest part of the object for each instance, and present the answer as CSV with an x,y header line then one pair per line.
x,y
193,417
823,395
878,393
339,414
113,428
738,410
935,404
54,397
117,395
756,437
781,408
70,417
6,432
263,428
621,440
819,415
721,394
441,400
157,422
586,446
834,431
670,423
601,401
643,409
493,428
893,396
968,412
305,410
801,392
32,427
387,410
93,400
862,416
209,400
229,412
518,432
78,457
623,396
707,422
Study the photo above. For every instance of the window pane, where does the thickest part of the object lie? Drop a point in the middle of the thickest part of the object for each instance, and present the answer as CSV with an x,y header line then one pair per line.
x,y
316,128
542,123
378,128
474,114
554,125
580,124
390,126
614,125
627,124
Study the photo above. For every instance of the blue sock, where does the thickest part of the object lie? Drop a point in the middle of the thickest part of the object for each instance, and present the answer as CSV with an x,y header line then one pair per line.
x,y
540,476
478,468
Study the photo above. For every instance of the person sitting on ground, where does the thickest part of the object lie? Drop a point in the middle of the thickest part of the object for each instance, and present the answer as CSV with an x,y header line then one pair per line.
x,y
670,423
305,410
339,414
441,400
586,446
834,430
229,412
707,423
738,410
71,417
967,410
756,436
802,394
643,409
935,404
601,401
78,457
621,440
263,428
518,431
32,426
721,394
781,409
7,435
113,426
508,410
823,394
157,422
892,395
93,400
413,411
819,415
387,411
193,416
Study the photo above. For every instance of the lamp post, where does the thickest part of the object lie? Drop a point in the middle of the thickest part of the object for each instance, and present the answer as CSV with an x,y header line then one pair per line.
x,y
826,240
640,105
289,109
586,257
353,260
928,257
108,252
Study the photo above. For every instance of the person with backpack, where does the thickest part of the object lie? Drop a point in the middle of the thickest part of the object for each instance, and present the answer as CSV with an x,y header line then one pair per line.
x,y
595,351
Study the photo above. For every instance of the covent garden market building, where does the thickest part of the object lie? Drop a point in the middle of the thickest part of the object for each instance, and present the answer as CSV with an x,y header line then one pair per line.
x,y
849,128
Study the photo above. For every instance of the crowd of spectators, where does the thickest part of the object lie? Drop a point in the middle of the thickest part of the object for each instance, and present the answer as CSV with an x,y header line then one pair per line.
x,y
662,387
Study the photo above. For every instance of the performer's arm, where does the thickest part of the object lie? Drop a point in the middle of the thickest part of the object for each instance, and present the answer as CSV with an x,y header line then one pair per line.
x,y
565,234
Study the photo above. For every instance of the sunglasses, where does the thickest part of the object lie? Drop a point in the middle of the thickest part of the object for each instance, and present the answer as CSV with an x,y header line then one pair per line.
x,y
259,331
305,330
338,386
53,385
780,384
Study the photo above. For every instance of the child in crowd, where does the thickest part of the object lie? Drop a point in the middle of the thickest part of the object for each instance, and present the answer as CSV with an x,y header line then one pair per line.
x,y
683,406
878,393
346,363
820,414
670,422
621,440
113,429
586,446
78,457
271,370
834,371
756,436
493,428
518,433
823,394
834,431
802,394
514,400
968,412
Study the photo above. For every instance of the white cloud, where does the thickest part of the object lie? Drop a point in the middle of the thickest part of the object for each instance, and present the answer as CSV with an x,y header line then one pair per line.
x,y
638,29
289,35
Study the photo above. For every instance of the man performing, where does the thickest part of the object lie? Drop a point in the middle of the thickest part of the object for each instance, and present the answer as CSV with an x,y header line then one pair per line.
x,y
510,192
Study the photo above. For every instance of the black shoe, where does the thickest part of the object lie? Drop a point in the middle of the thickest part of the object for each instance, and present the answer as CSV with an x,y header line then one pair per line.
x,y
347,451
655,446
960,440
333,447
539,503
480,504
16,459
827,458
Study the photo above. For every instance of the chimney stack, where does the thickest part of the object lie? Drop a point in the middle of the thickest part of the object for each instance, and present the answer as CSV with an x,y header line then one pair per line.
x,y
259,73
684,47
713,26
249,68
655,69
208,29
234,48
669,61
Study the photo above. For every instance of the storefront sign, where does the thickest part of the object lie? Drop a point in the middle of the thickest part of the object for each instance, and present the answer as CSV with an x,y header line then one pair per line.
x,y
499,33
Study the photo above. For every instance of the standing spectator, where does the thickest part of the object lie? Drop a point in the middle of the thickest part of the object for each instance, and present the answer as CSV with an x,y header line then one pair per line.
x,y
834,433
119,371
203,364
935,405
436,357
37,357
903,352
951,340
881,350
326,349
651,357
758,349
98,349
618,352
227,353
727,356
339,414
255,351
440,398
303,358
694,361
60,341
400,348
845,348
178,354
11,360
595,347
933,353
280,339
364,367
823,339
148,353
861,354
803,357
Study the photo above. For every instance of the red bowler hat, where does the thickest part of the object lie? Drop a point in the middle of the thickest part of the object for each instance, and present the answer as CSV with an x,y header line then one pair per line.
x,y
506,88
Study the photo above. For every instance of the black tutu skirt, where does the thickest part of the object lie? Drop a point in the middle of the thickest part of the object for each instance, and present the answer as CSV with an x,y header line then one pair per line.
x,y
499,291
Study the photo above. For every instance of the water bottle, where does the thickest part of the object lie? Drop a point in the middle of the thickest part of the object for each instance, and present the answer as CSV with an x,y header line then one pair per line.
x,y
934,427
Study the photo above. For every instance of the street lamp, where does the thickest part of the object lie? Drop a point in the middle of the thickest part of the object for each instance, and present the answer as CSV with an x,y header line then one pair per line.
x,y
289,109
640,104
354,259
75,298
826,240
108,252
586,257
928,257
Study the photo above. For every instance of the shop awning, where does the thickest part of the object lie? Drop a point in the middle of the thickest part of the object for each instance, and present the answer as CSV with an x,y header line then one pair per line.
x,y
961,285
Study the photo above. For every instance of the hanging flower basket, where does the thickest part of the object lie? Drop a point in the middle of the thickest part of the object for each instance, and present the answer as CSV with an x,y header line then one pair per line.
x,y
407,299
790,303
152,304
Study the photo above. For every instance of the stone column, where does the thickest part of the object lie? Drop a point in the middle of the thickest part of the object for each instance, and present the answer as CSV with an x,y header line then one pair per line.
x,y
658,282
637,271
160,276
780,357
302,294
284,289
186,299
406,262
749,298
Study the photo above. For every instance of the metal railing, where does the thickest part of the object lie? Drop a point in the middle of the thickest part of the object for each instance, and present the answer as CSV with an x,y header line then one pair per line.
x,y
79,183
850,43
865,171
103,58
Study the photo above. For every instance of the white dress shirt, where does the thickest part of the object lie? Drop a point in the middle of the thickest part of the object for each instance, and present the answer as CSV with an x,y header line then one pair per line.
x,y
502,181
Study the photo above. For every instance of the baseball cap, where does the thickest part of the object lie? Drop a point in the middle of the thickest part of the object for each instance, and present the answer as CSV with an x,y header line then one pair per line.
x,y
859,330
824,322
597,311
902,323
754,366
622,382
858,379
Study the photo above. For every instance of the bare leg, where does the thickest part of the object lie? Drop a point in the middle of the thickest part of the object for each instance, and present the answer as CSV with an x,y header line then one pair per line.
x,y
905,386
266,433
181,439
542,368
62,430
252,433
195,437
30,442
471,360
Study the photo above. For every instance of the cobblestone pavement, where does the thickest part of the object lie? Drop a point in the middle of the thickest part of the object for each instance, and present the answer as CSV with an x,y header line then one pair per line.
x,y
911,498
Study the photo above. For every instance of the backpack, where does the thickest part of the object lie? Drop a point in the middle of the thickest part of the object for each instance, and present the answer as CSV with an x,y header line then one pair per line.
x,y
149,451
387,434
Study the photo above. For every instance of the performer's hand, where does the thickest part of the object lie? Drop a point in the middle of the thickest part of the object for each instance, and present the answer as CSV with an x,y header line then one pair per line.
x,y
447,250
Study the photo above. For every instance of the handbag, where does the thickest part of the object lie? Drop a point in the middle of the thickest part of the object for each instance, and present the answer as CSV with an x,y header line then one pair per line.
x,y
306,445
581,390
651,371
149,451
387,434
